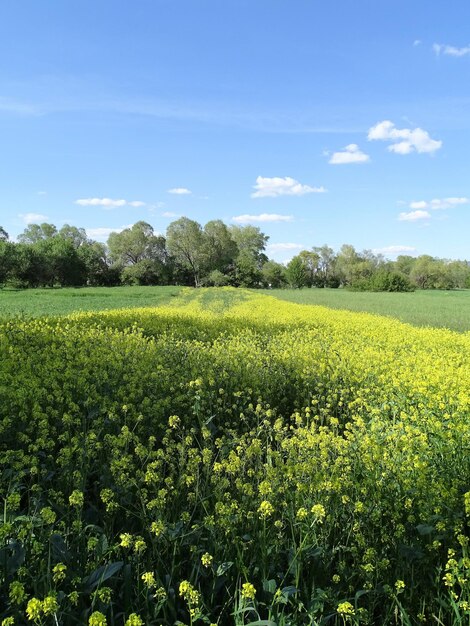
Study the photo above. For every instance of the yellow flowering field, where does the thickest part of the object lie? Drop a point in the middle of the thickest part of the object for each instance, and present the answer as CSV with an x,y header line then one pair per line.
x,y
233,459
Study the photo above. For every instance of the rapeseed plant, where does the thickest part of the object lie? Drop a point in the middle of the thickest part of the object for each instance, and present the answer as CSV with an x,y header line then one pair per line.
x,y
151,460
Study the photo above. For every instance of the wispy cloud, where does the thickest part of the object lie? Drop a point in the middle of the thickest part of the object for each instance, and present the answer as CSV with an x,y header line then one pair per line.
x,y
42,193
394,250
263,217
33,218
404,140
277,186
180,191
284,247
350,154
414,216
8,105
102,234
169,214
451,51
417,42
109,203
439,203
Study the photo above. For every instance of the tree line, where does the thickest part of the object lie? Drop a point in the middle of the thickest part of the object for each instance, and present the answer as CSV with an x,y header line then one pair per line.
x,y
214,255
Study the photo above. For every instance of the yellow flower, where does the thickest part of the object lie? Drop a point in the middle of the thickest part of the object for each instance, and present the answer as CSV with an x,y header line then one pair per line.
x,y
319,512
17,592
97,619
134,620
248,591
207,559
34,609
50,605
76,498
58,572
157,528
265,509
149,579
345,608
302,513
126,540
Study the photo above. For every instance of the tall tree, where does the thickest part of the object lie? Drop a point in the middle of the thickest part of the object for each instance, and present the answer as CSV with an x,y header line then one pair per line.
x,y
34,233
296,273
136,244
251,244
311,262
7,256
76,235
3,234
186,243
221,248
326,267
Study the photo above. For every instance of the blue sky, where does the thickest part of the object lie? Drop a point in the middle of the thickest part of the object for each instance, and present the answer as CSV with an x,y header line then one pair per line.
x,y
321,122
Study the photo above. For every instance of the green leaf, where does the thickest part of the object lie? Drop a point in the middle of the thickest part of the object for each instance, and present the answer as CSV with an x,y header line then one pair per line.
x,y
224,567
101,574
269,585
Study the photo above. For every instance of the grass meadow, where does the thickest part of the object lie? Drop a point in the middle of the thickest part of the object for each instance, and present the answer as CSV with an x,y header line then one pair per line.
x,y
440,309
60,301
225,457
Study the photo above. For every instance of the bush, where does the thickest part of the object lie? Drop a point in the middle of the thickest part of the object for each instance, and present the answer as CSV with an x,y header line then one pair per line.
x,y
383,281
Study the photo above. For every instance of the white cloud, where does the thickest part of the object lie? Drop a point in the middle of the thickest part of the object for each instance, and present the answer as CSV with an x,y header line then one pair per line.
x,y
102,234
404,140
417,42
169,214
420,204
414,216
439,203
394,250
180,191
272,187
33,218
451,50
42,193
281,247
263,217
107,203
350,154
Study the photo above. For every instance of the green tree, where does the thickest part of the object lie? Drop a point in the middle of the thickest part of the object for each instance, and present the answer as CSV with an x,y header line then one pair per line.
x,y
93,256
3,234
136,244
273,275
28,264
326,273
311,262
425,272
221,249
60,263
7,260
296,273
34,233
251,244
186,244
76,235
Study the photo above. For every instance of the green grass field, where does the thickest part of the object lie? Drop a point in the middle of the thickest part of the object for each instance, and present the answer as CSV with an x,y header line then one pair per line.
x,y
45,302
439,309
